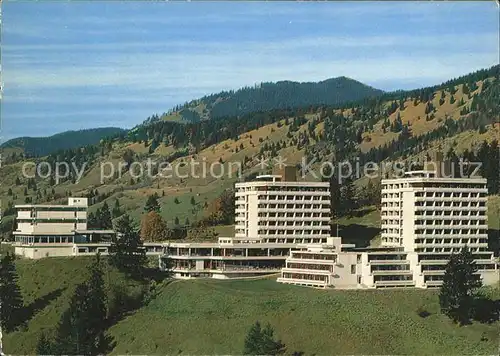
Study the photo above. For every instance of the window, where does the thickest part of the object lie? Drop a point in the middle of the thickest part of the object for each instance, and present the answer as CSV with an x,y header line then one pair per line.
x,y
353,269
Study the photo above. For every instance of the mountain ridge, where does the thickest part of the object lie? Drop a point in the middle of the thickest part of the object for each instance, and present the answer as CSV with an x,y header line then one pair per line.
x,y
44,145
269,96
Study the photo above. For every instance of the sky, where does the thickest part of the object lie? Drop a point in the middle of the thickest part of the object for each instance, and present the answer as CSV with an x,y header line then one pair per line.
x,y
75,65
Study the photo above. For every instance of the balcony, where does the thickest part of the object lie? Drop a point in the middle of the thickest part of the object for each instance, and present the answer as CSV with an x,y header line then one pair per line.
x,y
388,262
433,283
394,283
306,271
391,272
306,282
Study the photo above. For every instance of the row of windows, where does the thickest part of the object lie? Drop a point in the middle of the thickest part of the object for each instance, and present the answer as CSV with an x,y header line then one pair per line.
x,y
294,240
294,206
435,185
450,213
54,208
278,188
449,231
294,232
450,222
450,241
293,197
396,240
448,249
294,215
449,195
439,204
52,221
294,223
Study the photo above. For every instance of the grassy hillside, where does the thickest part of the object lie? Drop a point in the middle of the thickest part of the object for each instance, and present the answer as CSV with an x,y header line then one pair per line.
x,y
47,286
42,146
269,96
212,317
321,133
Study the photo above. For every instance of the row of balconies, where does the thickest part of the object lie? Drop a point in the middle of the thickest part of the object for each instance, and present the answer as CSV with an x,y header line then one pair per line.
x,y
285,192
282,218
303,210
457,208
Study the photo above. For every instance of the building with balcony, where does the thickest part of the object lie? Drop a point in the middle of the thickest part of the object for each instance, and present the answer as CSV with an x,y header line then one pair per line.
x,y
274,214
426,216
54,230
227,258
280,209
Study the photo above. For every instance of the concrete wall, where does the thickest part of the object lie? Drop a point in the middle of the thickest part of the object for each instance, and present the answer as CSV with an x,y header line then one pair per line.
x,y
36,252
342,276
408,217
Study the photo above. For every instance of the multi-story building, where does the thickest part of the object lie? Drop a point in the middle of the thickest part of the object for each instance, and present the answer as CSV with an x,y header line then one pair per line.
x,y
226,258
53,230
426,216
274,214
280,209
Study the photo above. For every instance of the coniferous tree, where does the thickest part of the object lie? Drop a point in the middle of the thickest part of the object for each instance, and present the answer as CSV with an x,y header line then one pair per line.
x,y
260,341
126,250
11,300
44,345
459,287
97,312
348,201
116,209
152,204
104,218
72,336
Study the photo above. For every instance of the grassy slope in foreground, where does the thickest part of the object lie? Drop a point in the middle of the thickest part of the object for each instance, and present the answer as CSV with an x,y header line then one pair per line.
x,y
212,317
47,286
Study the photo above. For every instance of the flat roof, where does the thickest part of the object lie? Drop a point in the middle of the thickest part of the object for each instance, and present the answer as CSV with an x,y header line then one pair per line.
x,y
95,232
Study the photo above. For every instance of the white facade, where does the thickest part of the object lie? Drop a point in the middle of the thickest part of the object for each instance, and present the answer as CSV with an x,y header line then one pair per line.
x,y
276,211
274,215
423,213
51,220
425,218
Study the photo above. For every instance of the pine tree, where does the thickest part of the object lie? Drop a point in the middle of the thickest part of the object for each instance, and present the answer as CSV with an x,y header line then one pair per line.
x,y
126,250
459,286
71,335
193,202
104,217
348,201
11,301
116,209
44,346
152,204
260,341
96,315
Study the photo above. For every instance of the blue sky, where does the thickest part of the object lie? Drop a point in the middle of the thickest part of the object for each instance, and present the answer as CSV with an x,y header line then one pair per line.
x,y
74,65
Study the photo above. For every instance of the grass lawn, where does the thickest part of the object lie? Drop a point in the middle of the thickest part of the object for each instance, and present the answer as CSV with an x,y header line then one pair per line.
x,y
212,317
47,286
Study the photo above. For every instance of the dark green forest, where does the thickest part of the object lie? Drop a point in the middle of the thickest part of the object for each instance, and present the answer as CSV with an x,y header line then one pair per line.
x,y
42,146
280,95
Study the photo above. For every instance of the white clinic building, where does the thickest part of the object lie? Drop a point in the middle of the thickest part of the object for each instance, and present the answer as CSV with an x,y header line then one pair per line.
x,y
426,216
55,230
274,214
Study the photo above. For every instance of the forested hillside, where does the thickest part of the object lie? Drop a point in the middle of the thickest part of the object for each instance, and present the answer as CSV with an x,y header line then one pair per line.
x,y
271,96
42,146
460,118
